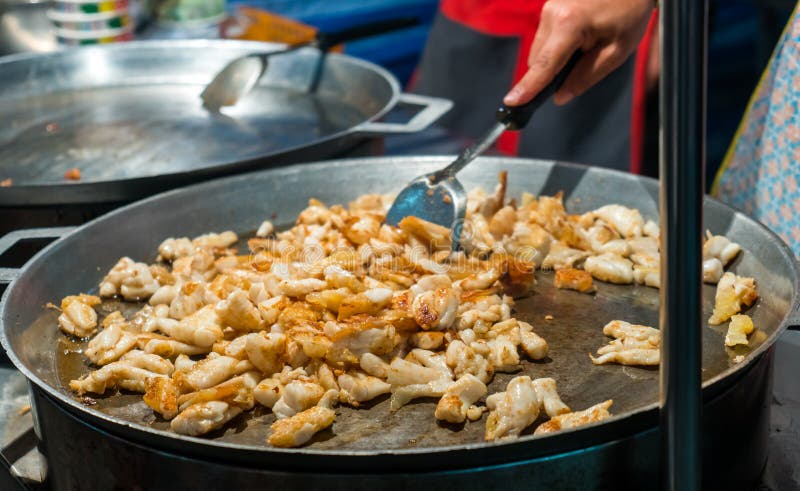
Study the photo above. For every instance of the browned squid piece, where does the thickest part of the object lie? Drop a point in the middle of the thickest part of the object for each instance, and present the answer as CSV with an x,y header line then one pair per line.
x,y
433,236
130,372
300,428
518,407
568,420
112,342
209,409
129,279
78,316
574,279
734,293
459,399
209,372
632,345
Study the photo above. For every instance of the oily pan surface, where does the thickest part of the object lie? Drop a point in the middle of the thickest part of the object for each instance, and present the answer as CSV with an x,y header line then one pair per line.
x,y
574,331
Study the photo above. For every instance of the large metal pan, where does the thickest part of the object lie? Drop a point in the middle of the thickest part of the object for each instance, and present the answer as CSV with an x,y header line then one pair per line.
x,y
372,438
129,117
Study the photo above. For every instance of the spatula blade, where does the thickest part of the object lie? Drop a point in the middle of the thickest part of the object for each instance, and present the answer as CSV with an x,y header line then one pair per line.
x,y
443,203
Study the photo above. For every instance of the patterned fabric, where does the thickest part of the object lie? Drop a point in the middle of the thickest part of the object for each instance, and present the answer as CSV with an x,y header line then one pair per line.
x,y
761,172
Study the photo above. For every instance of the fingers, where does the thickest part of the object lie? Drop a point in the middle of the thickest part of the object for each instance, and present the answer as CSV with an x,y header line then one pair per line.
x,y
550,51
546,65
594,66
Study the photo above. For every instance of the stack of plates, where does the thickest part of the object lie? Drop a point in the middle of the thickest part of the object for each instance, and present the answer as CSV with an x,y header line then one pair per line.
x,y
91,21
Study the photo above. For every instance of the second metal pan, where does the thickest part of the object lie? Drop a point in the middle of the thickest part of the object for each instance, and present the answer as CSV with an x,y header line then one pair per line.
x,y
128,116
374,438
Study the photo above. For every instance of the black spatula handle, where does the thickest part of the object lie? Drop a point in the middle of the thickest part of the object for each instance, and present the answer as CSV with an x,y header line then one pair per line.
x,y
327,40
517,117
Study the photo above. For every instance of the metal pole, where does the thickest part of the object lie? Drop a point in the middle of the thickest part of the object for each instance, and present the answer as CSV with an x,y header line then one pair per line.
x,y
682,165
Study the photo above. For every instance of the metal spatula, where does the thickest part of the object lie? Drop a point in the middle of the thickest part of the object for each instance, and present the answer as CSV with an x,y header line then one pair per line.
x,y
439,197
240,75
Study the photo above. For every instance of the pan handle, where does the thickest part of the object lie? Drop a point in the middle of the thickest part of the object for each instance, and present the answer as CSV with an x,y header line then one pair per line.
x,y
7,275
433,109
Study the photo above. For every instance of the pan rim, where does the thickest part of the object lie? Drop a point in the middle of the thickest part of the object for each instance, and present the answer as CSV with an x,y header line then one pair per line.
x,y
641,412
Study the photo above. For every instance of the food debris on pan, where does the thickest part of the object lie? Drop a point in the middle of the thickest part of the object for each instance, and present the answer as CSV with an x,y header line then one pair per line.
x,y
73,174
375,310
6,183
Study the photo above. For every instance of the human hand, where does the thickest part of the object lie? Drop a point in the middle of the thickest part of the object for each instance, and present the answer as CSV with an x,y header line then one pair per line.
x,y
607,31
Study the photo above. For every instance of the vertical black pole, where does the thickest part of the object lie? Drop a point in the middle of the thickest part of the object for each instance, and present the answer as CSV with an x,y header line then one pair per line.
x,y
683,113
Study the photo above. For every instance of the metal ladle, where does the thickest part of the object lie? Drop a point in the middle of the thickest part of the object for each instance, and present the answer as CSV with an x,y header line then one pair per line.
x,y
439,197
239,76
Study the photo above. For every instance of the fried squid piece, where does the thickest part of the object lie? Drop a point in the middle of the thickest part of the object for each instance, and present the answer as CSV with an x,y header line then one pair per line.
x,y
534,345
356,387
622,329
300,428
433,236
720,247
561,256
403,372
265,229
188,298
370,302
131,280
203,328
297,396
458,398
712,270
512,411
565,421
78,316
203,417
527,241
301,287
610,267
628,222
237,391
551,402
435,309
374,365
130,372
482,280
503,353
360,229
651,229
268,391
574,279
519,278
646,275
161,395
266,350
407,393
628,356
733,293
237,312
462,359
495,201
112,342
740,327
210,371
220,240
633,345
166,347
171,248
358,335
429,359
235,348
427,340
